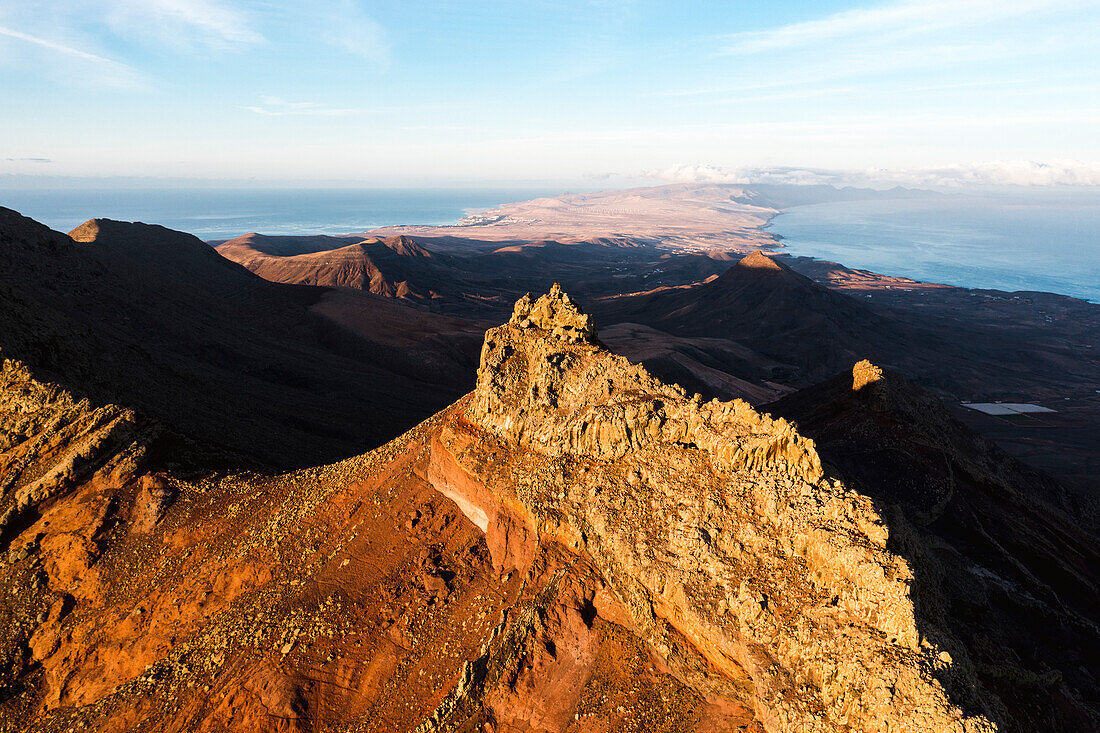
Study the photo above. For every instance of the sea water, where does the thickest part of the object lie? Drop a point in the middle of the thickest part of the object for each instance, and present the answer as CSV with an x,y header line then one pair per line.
x,y
1047,241
225,213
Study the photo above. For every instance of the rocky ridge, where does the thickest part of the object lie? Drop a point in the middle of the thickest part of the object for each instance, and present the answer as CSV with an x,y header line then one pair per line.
x,y
59,453
710,521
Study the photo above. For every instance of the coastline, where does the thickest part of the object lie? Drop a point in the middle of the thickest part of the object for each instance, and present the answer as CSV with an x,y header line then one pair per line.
x,y
728,220
746,222
945,252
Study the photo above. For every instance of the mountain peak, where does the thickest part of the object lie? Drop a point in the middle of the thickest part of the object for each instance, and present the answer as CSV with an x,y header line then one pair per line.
x,y
136,235
403,245
759,261
88,231
94,229
557,313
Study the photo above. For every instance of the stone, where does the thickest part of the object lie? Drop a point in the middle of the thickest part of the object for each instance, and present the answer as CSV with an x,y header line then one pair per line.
x,y
556,313
710,519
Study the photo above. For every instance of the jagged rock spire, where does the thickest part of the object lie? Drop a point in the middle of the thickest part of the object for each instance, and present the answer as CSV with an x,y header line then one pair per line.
x,y
555,312
573,396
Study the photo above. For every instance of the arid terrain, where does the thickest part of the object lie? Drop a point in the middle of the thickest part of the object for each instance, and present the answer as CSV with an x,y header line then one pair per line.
x,y
403,480
642,259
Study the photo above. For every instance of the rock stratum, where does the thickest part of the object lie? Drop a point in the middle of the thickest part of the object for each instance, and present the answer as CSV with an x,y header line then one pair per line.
x,y
574,546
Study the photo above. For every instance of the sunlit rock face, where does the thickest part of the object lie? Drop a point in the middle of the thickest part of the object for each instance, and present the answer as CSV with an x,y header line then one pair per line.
x,y
710,522
556,313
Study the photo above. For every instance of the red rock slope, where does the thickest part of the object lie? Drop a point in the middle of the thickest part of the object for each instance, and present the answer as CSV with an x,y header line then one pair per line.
x,y
388,267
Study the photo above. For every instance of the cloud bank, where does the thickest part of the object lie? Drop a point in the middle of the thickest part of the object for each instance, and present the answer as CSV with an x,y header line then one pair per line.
x,y
993,173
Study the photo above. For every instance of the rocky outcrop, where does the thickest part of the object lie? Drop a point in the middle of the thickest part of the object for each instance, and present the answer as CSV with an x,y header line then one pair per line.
x,y
545,383
51,442
557,313
711,522
68,473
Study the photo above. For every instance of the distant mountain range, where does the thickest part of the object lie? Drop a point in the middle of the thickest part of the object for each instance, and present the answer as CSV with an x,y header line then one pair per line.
x,y
158,320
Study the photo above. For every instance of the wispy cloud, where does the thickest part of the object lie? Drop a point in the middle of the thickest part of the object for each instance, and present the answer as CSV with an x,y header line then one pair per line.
x,y
71,33
778,95
908,17
110,72
947,42
30,160
875,59
826,130
848,65
793,91
278,107
182,23
344,25
54,46
436,128
272,106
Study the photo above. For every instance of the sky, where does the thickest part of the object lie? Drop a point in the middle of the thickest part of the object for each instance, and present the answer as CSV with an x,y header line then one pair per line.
x,y
400,93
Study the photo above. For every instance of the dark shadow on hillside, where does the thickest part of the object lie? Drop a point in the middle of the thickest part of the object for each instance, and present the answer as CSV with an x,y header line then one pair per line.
x,y
1005,582
280,376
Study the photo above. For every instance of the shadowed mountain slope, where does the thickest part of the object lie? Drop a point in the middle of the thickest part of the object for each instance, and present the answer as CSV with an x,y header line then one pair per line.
x,y
469,277
762,304
283,375
1000,562
711,366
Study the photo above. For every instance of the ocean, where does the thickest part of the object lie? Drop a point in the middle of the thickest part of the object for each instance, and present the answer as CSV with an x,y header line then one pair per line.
x,y
210,213
1045,241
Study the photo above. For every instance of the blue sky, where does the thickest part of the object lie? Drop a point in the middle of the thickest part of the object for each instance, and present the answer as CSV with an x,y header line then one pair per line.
x,y
425,93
